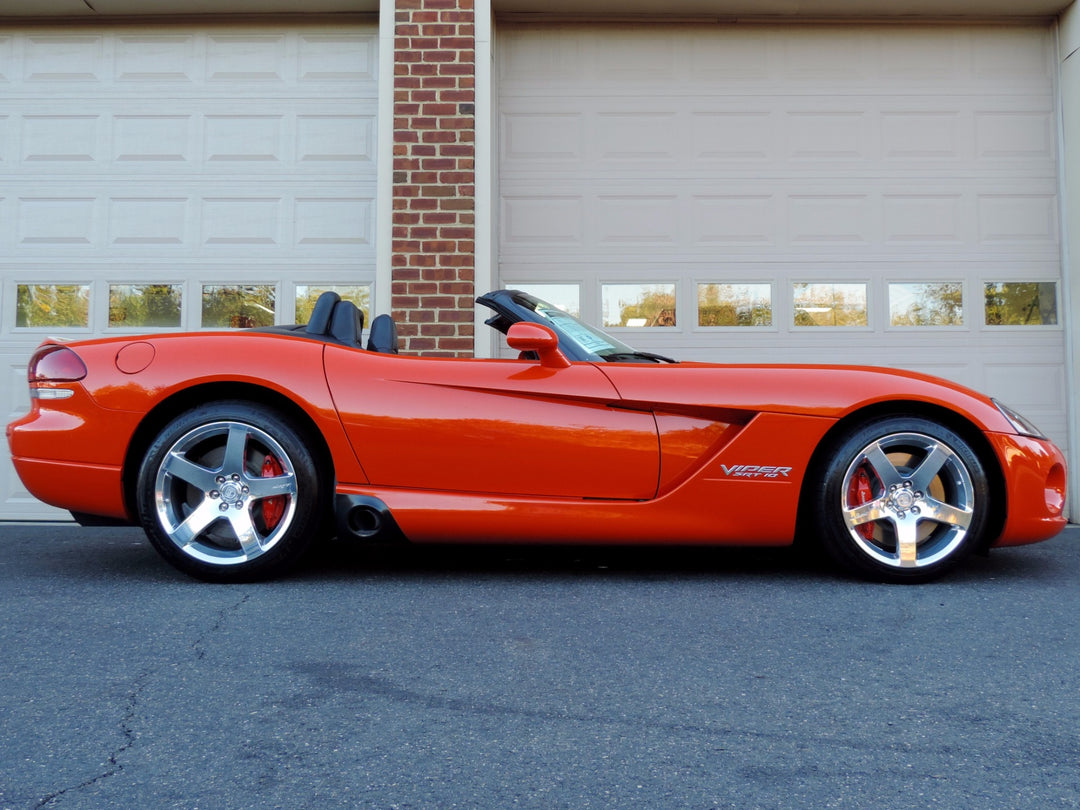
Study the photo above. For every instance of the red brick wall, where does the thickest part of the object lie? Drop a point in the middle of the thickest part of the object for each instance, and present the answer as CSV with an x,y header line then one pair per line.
x,y
434,179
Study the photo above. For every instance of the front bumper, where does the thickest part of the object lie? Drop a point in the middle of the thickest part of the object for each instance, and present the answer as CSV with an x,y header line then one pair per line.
x,y
1035,486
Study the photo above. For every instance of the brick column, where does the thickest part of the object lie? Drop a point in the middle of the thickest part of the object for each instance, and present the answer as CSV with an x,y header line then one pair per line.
x,y
434,179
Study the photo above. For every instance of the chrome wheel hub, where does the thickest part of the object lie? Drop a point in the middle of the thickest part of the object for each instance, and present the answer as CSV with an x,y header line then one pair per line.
x,y
903,499
232,492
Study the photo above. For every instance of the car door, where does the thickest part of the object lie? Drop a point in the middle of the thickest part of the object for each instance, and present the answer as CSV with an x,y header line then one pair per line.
x,y
508,427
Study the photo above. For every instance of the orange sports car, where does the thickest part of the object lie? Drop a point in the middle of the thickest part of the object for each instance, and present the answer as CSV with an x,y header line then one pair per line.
x,y
236,450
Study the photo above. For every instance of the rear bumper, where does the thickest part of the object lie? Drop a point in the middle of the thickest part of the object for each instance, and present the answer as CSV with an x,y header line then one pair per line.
x,y
89,489
69,460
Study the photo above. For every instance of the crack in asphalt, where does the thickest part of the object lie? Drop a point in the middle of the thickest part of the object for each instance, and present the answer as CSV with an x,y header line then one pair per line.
x,y
223,614
127,721
113,760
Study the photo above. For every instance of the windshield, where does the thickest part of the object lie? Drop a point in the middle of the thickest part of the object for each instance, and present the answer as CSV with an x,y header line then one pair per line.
x,y
577,340
587,337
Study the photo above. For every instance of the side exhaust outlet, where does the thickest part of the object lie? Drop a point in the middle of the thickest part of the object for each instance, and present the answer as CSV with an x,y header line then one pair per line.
x,y
363,517
364,521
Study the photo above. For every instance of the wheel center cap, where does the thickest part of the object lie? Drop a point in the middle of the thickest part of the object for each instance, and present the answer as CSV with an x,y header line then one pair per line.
x,y
230,492
904,499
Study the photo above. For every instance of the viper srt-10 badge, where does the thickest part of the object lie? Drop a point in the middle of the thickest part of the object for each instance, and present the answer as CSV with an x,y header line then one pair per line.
x,y
754,471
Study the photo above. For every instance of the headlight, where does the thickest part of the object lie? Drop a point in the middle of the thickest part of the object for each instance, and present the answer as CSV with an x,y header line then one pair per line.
x,y
1019,423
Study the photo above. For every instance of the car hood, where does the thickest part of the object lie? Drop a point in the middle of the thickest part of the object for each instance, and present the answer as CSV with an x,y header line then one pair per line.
x,y
825,391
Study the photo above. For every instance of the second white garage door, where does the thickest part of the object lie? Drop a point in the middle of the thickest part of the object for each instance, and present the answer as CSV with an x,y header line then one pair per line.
x,y
880,195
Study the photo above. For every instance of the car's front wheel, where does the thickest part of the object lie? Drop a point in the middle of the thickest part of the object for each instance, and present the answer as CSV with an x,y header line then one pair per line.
x,y
230,491
902,499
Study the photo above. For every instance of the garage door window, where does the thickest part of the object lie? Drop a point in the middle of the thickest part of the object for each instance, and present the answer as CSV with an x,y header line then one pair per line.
x,y
566,297
734,304
52,306
238,306
926,304
307,295
140,306
829,304
638,305
1021,303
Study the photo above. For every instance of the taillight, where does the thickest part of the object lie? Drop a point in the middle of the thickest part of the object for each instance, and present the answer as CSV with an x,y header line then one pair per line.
x,y
55,364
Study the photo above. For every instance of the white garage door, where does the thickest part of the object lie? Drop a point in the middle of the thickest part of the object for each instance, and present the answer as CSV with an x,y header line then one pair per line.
x,y
845,194
156,179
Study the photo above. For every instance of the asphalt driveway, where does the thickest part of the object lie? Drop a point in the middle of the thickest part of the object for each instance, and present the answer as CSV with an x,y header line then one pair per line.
x,y
498,678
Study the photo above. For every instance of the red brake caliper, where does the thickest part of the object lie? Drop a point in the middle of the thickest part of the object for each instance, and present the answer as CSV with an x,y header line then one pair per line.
x,y
860,492
272,508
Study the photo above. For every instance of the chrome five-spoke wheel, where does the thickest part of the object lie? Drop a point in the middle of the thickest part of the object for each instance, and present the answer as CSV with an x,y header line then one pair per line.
x,y
908,500
227,491
904,499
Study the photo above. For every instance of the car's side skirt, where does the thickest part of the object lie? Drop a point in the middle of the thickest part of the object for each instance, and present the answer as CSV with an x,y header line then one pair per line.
x,y
447,517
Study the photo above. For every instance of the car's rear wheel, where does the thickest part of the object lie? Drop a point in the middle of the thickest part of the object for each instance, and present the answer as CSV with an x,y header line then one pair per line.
x,y
902,499
229,492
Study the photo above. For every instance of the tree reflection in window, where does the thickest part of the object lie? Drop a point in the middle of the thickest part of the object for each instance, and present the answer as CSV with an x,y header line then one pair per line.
x,y
1021,303
734,305
826,304
238,306
307,295
52,305
638,305
939,303
145,305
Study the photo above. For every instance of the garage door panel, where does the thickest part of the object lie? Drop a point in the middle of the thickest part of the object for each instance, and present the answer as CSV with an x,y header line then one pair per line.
x,y
1019,219
153,140
138,221
547,217
727,221
309,221
733,136
214,55
1013,56
968,137
776,216
836,58
1015,135
938,220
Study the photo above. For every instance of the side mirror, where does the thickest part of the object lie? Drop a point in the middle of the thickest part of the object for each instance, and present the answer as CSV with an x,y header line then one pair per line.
x,y
524,336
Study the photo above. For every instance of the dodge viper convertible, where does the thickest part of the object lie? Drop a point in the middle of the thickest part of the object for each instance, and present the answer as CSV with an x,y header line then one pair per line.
x,y
236,450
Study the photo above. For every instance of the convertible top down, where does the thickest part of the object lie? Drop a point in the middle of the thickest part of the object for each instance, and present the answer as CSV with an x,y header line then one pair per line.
x,y
236,450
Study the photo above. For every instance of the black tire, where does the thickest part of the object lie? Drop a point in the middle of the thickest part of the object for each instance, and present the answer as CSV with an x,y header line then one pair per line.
x,y
900,499
230,492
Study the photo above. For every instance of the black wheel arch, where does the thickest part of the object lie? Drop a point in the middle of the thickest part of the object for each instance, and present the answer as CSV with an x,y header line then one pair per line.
x,y
168,409
956,422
